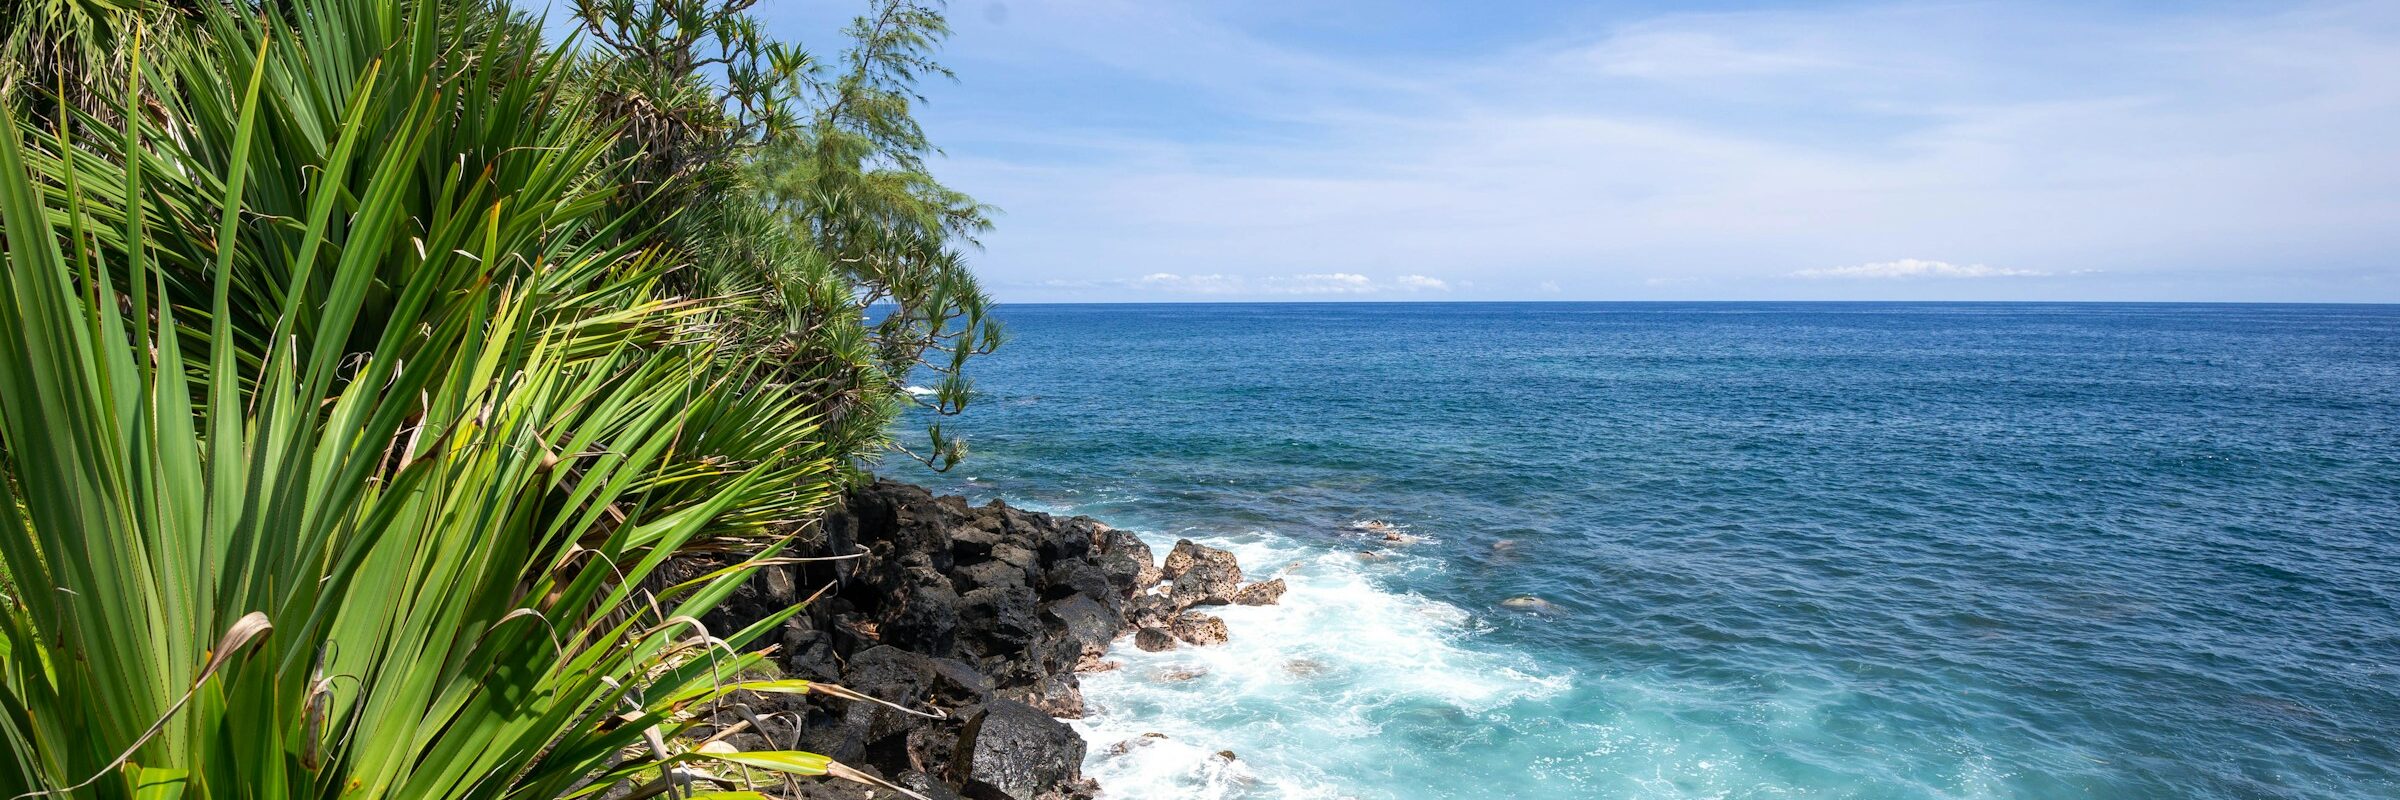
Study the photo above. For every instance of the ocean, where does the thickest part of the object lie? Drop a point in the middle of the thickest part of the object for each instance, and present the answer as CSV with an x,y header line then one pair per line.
x,y
1807,550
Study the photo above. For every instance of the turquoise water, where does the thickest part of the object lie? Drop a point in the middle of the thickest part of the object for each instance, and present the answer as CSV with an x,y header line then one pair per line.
x,y
1788,550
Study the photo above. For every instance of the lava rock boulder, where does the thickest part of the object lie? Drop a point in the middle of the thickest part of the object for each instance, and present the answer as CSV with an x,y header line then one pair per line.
x,y
1013,750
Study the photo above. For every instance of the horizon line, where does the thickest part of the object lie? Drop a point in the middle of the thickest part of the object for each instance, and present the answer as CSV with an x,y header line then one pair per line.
x,y
1665,302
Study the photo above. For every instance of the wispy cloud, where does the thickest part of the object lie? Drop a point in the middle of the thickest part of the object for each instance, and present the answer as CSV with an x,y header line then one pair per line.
x,y
1189,284
1236,286
1918,268
2212,152
1321,283
1671,54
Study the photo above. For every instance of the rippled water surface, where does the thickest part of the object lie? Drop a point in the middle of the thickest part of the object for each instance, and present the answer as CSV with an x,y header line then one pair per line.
x,y
1786,550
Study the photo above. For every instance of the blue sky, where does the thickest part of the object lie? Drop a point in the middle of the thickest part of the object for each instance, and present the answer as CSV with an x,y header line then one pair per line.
x,y
1158,150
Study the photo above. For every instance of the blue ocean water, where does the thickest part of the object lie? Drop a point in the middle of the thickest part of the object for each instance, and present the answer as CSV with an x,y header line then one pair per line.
x,y
1786,550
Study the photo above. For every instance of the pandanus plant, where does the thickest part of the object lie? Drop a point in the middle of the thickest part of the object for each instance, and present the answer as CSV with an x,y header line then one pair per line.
x,y
340,453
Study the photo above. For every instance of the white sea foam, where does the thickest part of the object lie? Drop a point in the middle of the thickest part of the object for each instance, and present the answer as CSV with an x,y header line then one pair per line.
x,y
1301,687
920,391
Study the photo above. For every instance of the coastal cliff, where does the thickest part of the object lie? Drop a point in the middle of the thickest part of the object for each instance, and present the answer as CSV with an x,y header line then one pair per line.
x,y
982,616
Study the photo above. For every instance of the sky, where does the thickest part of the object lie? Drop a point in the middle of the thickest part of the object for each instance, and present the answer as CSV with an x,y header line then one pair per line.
x,y
1239,150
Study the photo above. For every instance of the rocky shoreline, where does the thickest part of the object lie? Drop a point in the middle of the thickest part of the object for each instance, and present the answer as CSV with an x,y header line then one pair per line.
x,y
984,615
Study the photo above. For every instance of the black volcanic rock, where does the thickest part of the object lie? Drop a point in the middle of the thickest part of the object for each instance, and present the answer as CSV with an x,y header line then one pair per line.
x,y
1153,639
1003,619
959,684
1070,540
973,544
808,653
1012,750
929,786
980,617
987,574
1015,554
922,612
1127,560
1088,622
1059,695
1125,572
888,673
1078,577
1205,585
1149,611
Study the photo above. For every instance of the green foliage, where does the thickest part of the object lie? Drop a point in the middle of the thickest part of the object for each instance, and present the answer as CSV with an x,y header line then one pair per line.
x,y
362,362
72,48
807,197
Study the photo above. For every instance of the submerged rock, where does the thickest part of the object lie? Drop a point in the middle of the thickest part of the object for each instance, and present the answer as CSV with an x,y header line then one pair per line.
x,y
1197,628
1262,593
1124,746
1153,640
1179,674
1526,602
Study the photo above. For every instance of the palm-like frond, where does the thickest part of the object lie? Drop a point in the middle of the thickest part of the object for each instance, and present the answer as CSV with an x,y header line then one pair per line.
x,y
339,438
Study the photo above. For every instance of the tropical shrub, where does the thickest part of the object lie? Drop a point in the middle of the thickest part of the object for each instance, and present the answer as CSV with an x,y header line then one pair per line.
x,y
351,402
799,190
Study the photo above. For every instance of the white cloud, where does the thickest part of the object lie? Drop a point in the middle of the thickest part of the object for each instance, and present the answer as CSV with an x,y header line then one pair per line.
x,y
1917,268
1296,285
2216,152
1672,55
1549,287
1321,283
1191,284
